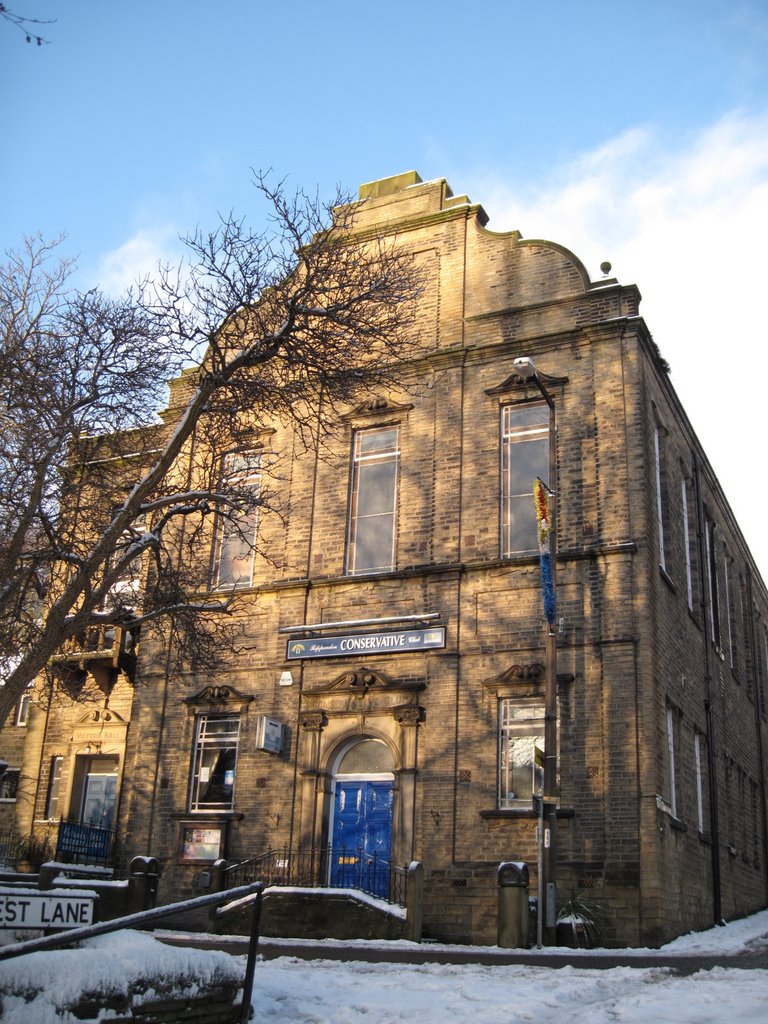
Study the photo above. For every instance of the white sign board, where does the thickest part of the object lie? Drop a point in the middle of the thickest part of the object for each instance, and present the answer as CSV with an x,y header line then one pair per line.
x,y
30,910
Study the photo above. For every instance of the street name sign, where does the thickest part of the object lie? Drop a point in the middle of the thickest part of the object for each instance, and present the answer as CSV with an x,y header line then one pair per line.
x,y
20,909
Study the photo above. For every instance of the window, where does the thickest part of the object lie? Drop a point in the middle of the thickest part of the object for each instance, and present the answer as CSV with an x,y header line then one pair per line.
x,y
215,759
236,532
728,610
521,753
744,632
697,753
124,592
22,709
9,784
54,788
660,495
524,457
755,825
671,772
687,542
373,505
714,587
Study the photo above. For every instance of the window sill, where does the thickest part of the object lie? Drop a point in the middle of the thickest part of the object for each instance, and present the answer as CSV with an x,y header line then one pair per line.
x,y
211,815
513,813
677,824
668,579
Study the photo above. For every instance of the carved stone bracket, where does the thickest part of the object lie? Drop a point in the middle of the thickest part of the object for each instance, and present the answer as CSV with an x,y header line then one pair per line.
x,y
409,714
313,721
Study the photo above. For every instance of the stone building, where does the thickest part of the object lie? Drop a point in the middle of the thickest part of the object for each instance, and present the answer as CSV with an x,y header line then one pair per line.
x,y
392,695
12,741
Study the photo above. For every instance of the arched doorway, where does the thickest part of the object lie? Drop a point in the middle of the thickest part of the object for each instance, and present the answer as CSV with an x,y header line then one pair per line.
x,y
361,822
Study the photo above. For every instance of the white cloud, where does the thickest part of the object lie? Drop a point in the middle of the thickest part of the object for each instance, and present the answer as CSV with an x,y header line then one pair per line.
x,y
137,258
687,223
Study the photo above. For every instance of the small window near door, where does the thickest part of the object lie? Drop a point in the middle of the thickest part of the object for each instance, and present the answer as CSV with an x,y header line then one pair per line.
x,y
9,784
22,709
54,788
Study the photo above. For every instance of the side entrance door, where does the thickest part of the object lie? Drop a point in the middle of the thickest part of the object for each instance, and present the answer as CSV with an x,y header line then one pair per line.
x,y
362,835
99,799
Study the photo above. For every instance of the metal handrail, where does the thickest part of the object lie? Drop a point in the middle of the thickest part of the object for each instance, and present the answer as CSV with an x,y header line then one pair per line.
x,y
139,919
377,876
145,917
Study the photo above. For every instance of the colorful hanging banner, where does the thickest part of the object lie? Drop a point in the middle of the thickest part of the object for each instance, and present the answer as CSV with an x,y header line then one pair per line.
x,y
543,498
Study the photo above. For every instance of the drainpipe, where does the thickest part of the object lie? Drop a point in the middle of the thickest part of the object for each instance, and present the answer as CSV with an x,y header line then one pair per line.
x,y
167,674
714,823
758,725
307,590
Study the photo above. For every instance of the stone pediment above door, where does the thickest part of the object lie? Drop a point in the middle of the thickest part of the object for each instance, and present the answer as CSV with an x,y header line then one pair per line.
x,y
217,700
363,689
100,716
102,728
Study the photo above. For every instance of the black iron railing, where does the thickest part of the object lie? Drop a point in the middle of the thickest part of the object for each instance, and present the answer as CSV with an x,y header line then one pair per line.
x,y
331,867
79,842
9,844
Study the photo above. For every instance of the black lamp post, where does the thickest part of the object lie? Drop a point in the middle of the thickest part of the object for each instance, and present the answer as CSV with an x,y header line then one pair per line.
x,y
526,370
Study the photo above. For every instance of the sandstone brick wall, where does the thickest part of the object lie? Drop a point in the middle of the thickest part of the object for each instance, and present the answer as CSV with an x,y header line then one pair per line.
x,y
629,645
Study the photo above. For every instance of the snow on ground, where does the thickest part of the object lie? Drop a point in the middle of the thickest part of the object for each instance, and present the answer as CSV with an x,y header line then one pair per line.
x,y
34,988
292,991
329,992
735,937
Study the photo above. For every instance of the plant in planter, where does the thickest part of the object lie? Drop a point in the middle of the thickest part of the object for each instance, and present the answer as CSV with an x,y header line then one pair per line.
x,y
33,850
580,920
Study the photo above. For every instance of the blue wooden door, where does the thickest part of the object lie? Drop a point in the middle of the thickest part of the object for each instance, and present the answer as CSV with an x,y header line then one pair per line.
x,y
362,836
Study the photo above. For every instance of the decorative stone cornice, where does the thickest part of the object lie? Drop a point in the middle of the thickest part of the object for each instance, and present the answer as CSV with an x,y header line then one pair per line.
x,y
518,673
377,407
359,681
524,679
517,383
218,698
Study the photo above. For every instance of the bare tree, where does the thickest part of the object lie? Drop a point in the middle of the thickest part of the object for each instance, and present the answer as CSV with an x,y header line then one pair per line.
x,y
102,505
25,24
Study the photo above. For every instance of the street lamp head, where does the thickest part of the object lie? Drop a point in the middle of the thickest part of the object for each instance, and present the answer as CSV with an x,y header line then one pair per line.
x,y
524,367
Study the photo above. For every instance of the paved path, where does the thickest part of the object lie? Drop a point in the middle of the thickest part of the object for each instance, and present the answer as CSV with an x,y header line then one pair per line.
x,y
426,953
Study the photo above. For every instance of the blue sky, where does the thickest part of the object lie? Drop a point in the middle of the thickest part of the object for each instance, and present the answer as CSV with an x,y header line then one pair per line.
x,y
630,131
